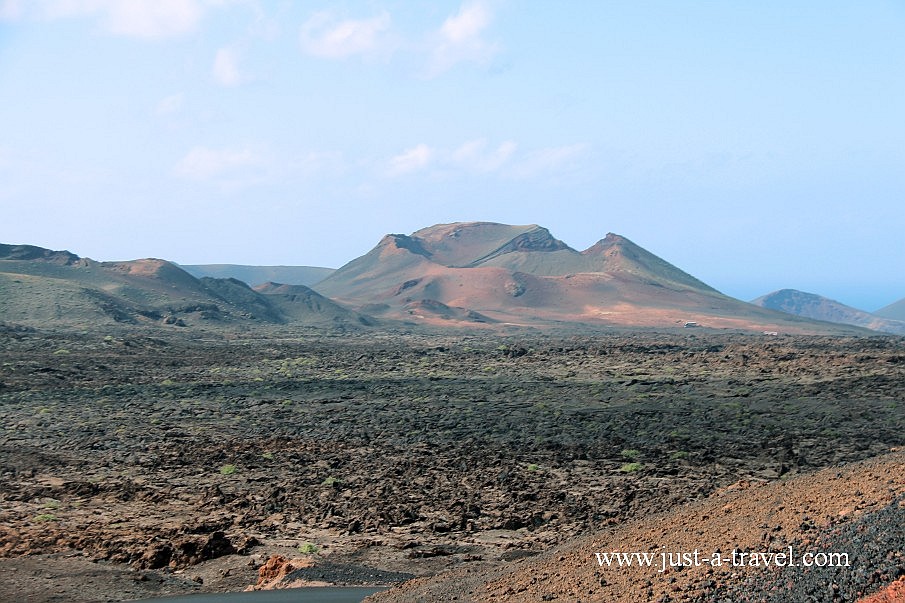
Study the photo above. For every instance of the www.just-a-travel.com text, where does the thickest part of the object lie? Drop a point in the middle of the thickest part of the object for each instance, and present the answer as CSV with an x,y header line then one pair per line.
x,y
670,559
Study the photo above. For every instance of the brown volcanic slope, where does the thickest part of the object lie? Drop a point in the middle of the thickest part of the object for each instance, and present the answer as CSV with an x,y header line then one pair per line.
x,y
40,287
818,307
301,303
895,310
486,272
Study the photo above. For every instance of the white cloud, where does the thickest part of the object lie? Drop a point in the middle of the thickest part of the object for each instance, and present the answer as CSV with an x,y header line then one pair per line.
x,y
550,159
411,160
319,163
147,19
478,157
226,69
153,18
323,36
475,156
171,104
467,25
460,38
10,9
202,163
237,167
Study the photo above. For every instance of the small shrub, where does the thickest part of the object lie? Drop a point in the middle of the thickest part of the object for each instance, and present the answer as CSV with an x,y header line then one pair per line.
x,y
268,456
631,454
331,481
307,549
631,467
678,455
533,467
46,517
227,469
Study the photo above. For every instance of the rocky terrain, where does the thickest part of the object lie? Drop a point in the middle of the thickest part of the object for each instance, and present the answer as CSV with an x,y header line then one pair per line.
x,y
182,461
836,535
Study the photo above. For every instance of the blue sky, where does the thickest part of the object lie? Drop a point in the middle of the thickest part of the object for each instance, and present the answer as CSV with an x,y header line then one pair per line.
x,y
755,145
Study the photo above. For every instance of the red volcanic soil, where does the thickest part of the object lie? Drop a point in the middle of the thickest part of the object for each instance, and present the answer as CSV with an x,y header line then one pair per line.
x,y
894,593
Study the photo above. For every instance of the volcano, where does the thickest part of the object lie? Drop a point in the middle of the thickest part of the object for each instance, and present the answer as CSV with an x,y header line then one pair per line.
x,y
489,273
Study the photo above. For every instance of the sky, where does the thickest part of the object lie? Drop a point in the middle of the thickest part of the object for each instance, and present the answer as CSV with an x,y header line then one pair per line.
x,y
755,145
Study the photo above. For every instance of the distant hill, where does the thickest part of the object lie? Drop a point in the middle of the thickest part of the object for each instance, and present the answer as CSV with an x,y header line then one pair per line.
x,y
300,303
481,272
475,274
41,287
257,275
895,310
817,307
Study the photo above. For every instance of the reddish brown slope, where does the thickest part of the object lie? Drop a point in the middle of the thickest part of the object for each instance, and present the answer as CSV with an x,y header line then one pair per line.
x,y
523,275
